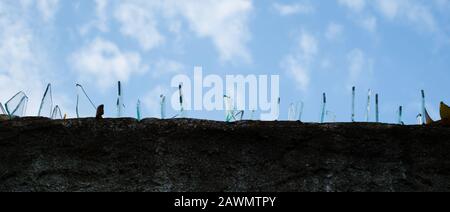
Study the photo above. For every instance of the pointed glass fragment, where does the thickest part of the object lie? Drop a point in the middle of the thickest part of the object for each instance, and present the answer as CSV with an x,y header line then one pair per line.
x,y
228,108
2,110
292,113
180,89
369,95
419,119
17,105
423,108
138,110
56,114
278,108
163,106
324,105
428,118
377,109
120,106
302,106
84,103
353,103
46,107
400,114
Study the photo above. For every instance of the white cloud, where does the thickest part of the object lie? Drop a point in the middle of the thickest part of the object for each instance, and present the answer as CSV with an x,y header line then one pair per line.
x,y
106,63
355,5
292,9
369,23
360,66
139,23
298,64
101,19
48,8
334,31
166,66
225,23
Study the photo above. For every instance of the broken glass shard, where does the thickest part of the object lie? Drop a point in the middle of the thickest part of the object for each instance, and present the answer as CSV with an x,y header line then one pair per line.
x,y
17,105
228,108
57,113
419,119
400,114
369,95
46,107
138,110
324,105
85,107
292,112
423,108
180,89
163,106
377,109
278,108
2,110
331,116
302,105
120,106
353,103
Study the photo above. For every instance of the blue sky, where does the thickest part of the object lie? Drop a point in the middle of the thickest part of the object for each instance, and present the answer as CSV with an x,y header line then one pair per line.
x,y
394,47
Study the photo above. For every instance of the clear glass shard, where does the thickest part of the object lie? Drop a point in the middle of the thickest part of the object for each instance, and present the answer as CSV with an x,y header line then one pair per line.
x,y
46,107
2,110
252,114
163,106
138,110
300,114
85,107
292,113
56,114
278,108
324,105
369,96
419,119
353,103
17,105
228,108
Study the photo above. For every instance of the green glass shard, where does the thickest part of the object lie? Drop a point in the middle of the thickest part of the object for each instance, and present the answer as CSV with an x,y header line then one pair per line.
x,y
56,114
83,106
17,105
46,107
138,110
353,103
119,104
324,105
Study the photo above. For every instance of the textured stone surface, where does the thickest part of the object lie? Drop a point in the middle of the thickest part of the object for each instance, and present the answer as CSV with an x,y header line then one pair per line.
x,y
192,155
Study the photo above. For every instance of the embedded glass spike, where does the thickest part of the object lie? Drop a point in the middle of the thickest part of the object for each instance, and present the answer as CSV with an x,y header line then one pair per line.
x,y
180,89
300,113
377,109
162,103
278,109
138,110
2,110
83,106
17,105
228,108
46,107
120,106
369,95
423,108
419,119
56,114
353,103
324,105
400,114
292,112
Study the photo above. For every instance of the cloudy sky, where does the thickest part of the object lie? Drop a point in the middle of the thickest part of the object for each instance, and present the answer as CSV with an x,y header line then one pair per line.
x,y
394,47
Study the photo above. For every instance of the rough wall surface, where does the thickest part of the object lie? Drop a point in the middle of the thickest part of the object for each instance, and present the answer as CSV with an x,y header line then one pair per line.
x,y
193,155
